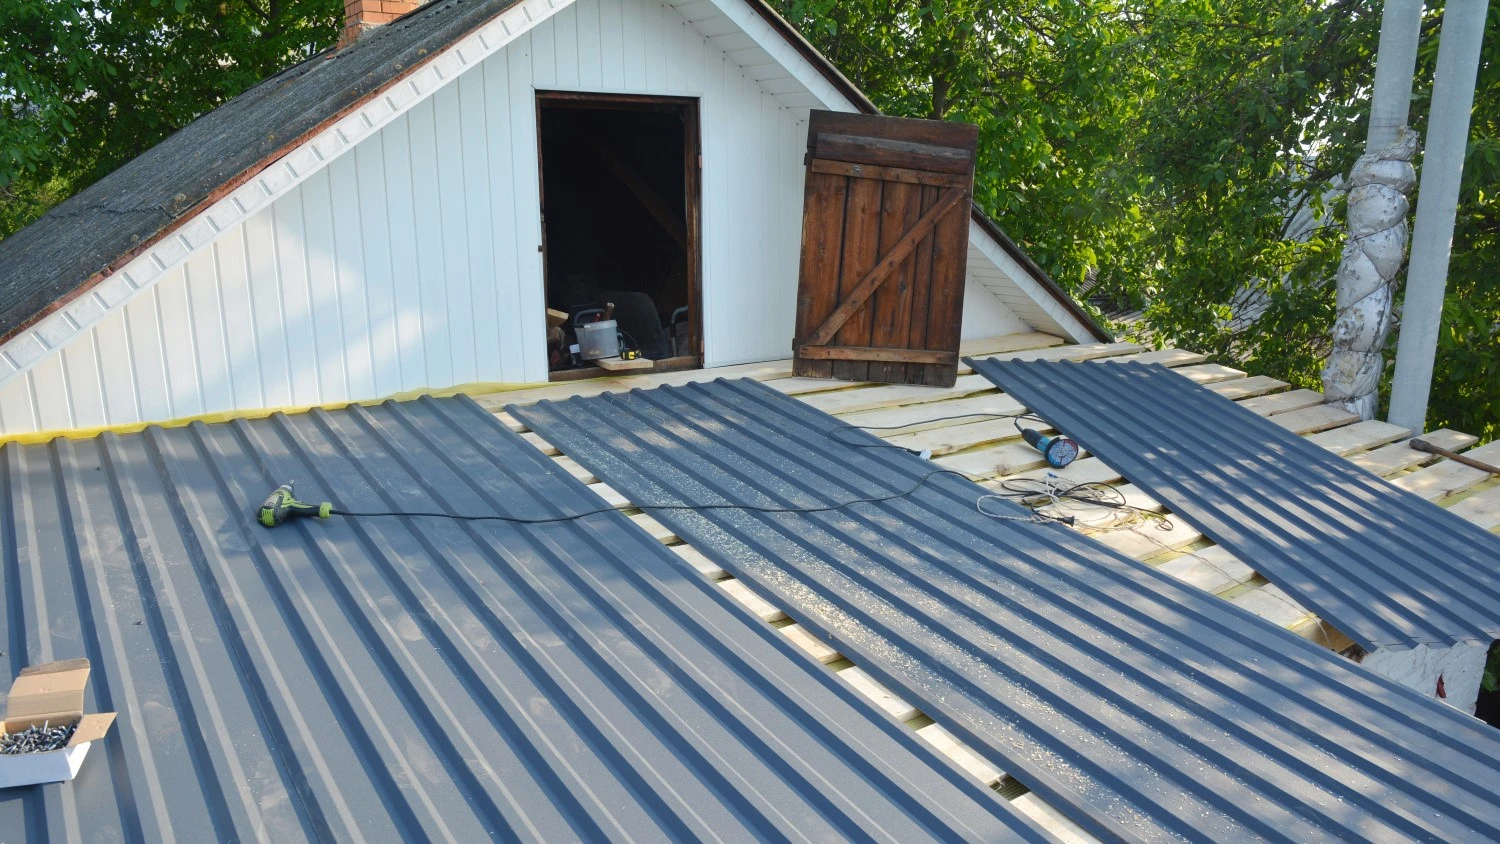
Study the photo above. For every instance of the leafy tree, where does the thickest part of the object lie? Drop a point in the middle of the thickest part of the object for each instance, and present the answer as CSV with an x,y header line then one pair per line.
x,y
1253,113
45,64
1168,155
86,85
1042,81
38,41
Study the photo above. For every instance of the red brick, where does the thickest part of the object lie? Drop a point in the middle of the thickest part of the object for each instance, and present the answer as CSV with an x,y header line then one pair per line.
x,y
361,15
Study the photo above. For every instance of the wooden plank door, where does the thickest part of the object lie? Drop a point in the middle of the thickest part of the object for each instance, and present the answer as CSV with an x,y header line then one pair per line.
x,y
885,242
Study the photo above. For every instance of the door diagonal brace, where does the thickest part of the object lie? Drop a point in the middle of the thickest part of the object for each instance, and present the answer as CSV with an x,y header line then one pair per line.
x,y
882,270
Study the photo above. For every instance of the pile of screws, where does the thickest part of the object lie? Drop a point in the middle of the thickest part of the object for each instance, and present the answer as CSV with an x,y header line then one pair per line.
x,y
36,739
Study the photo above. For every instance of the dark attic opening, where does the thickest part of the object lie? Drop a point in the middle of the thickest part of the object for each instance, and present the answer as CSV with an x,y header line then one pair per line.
x,y
620,235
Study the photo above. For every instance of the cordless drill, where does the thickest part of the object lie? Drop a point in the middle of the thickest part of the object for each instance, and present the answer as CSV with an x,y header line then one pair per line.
x,y
282,504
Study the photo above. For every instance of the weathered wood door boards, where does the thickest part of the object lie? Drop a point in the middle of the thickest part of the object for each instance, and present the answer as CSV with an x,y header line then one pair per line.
x,y
885,237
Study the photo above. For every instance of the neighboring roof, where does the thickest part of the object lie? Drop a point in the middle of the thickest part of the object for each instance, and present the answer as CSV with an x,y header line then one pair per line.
x,y
76,244
390,679
1140,707
1381,565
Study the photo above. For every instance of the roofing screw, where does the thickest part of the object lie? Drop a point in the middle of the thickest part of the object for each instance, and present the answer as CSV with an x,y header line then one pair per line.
x,y
36,739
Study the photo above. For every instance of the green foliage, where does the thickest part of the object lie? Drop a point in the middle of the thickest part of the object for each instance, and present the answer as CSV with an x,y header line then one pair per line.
x,y
27,198
1040,80
1156,152
1249,116
45,64
86,85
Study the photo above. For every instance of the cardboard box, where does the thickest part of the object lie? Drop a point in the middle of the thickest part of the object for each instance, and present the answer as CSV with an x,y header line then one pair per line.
x,y
52,694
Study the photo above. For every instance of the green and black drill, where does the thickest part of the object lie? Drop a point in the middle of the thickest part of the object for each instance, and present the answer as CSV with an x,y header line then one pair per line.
x,y
282,504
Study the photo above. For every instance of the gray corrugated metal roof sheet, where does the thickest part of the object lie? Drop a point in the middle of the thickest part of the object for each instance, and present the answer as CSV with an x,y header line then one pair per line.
x,y
382,678
1380,564
1139,706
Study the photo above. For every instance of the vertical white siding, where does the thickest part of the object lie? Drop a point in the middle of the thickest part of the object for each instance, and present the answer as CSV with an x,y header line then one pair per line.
x,y
987,316
413,260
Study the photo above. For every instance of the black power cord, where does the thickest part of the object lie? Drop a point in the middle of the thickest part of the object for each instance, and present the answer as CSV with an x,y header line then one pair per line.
x,y
1034,493
1034,516
754,508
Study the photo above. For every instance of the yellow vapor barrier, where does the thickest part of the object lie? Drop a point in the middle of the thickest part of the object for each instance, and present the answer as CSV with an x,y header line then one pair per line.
x,y
260,412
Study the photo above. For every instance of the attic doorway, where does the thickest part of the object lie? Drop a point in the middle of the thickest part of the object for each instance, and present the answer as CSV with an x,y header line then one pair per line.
x,y
620,200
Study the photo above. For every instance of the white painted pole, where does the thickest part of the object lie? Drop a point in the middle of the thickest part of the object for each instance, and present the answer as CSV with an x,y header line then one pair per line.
x,y
1375,248
1395,64
1437,204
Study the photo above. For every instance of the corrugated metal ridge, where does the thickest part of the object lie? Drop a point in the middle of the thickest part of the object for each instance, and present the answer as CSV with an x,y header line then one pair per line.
x,y
383,678
1386,567
1139,706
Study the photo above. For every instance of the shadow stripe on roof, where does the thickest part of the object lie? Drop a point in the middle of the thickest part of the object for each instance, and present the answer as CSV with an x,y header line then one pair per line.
x,y
412,677
1135,704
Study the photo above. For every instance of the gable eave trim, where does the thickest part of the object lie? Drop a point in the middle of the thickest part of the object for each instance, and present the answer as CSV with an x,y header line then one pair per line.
x,y
259,186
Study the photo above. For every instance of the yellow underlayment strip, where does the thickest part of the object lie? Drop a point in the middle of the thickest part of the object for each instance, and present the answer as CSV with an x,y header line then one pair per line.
x,y
478,388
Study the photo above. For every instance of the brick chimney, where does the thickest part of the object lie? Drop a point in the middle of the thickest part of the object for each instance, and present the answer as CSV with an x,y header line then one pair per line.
x,y
361,16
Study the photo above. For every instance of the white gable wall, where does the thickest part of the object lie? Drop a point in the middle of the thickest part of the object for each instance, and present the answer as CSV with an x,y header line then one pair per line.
x,y
411,261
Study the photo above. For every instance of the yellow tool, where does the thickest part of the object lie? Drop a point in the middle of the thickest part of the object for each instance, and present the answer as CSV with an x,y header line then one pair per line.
x,y
282,504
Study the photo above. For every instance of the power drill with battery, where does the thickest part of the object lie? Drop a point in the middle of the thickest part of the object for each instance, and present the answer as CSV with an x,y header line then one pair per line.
x,y
282,504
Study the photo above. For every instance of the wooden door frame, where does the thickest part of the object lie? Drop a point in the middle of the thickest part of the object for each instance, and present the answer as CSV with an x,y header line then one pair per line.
x,y
692,163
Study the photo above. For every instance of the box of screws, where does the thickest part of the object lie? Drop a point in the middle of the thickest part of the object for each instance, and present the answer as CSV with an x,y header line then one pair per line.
x,y
46,735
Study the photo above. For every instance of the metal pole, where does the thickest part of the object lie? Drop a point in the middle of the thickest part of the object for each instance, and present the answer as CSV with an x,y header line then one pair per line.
x,y
1395,64
1437,204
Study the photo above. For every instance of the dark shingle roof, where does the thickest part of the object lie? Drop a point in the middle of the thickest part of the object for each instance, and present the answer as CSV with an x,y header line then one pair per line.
x,y
55,257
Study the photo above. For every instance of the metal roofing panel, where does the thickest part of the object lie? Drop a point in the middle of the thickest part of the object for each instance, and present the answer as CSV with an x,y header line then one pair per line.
x,y
385,678
1380,564
1139,706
